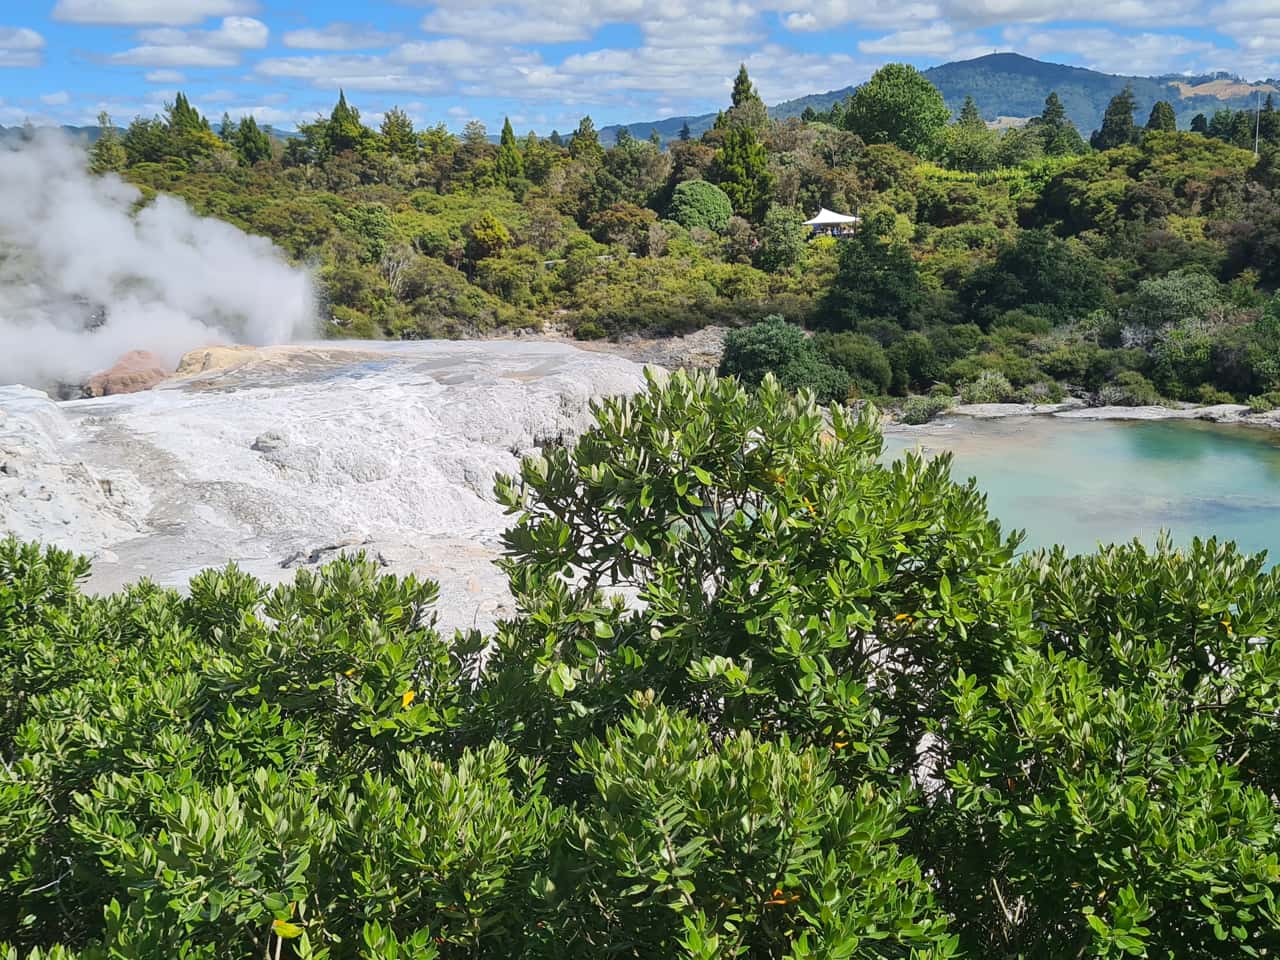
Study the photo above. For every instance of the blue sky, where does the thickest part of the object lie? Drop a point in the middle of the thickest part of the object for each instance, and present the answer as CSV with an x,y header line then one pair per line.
x,y
547,62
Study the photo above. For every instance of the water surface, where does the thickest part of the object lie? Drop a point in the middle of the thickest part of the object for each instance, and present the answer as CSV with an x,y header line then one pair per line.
x,y
1084,482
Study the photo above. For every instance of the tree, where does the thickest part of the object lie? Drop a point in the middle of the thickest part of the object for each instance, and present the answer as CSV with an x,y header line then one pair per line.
x,y
555,139
697,203
585,143
775,347
1117,128
398,136
1057,134
741,168
970,117
685,133
107,155
877,279
1037,273
252,143
783,237
746,109
510,164
1200,124
344,130
898,105
1162,117
968,144
861,358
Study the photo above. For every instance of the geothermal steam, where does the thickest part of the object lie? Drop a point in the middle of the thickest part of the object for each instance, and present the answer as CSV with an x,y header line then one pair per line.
x,y
72,244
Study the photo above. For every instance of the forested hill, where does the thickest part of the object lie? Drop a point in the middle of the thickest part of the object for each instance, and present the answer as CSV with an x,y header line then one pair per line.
x,y
1011,85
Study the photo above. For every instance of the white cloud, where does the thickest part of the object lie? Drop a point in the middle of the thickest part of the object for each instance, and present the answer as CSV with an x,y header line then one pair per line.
x,y
20,47
166,76
184,55
338,36
234,33
935,40
139,12
56,99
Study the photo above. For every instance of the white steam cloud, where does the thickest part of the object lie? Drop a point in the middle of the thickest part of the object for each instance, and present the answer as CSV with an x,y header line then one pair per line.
x,y
74,249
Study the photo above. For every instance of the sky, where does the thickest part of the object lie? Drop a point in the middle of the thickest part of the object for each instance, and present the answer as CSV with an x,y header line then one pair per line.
x,y
546,63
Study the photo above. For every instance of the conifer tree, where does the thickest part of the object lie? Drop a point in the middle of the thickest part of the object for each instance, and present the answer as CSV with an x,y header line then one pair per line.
x,y
655,138
1200,124
685,133
746,108
970,117
107,155
398,135
585,144
1162,117
741,169
251,142
1054,113
510,164
1117,128
344,130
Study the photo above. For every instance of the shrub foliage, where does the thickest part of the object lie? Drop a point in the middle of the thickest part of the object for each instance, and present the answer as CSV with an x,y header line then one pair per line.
x,y
835,716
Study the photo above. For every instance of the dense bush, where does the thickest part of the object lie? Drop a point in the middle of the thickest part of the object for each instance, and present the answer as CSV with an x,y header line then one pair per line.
x,y
923,408
782,349
836,719
696,203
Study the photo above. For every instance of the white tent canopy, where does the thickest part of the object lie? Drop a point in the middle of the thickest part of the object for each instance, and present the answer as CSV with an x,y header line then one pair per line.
x,y
829,218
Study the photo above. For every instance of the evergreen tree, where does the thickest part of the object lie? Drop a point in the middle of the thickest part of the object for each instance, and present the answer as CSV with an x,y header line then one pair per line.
x,y
741,168
1057,134
1054,113
746,108
1162,117
344,130
809,115
624,139
510,164
585,144
970,118
877,278
182,118
655,138
898,105
685,133
251,142
1200,124
398,136
107,155
1117,128
556,139
226,129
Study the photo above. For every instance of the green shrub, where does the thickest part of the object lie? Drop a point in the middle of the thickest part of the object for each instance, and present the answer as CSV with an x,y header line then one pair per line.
x,y
921,409
1128,389
1265,402
589,330
860,357
990,387
698,204
776,347
1209,395
746,758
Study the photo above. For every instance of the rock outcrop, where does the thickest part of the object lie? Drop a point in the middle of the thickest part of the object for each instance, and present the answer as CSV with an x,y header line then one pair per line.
x,y
136,370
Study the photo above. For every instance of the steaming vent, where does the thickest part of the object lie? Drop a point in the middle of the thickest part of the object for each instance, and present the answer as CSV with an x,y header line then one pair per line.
x,y
89,273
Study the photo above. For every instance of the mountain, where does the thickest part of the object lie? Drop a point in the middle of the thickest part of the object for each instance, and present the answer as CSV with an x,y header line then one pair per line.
x,y
1011,85
88,134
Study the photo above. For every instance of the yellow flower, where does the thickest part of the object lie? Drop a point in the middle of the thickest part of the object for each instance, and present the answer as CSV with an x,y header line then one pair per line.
x,y
406,699
903,616
350,673
840,744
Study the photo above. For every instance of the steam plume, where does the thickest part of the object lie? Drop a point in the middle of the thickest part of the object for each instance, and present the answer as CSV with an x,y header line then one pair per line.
x,y
71,245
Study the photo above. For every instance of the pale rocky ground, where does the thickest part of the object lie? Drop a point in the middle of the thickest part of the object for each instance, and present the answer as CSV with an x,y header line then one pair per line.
x,y
284,456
